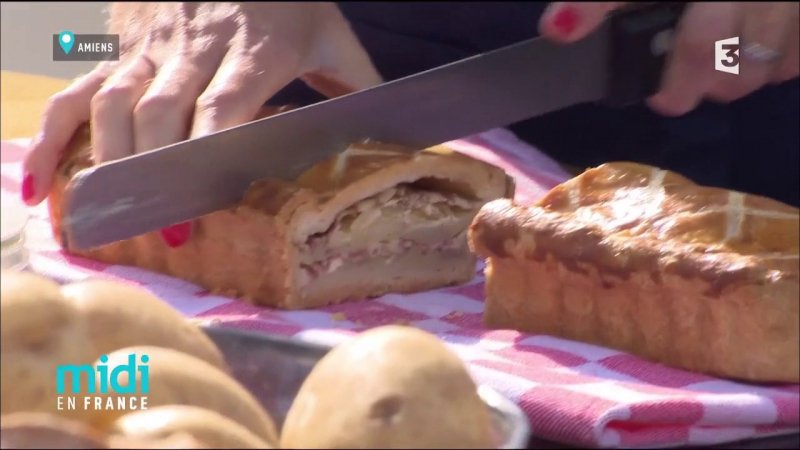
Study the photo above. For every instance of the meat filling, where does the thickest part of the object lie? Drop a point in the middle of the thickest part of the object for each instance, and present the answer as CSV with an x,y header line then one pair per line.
x,y
389,224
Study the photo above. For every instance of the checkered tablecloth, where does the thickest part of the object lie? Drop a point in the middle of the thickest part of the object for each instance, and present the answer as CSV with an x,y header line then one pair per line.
x,y
573,393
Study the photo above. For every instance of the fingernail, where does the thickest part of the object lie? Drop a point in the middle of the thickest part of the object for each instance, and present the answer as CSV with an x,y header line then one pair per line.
x,y
28,189
177,235
566,20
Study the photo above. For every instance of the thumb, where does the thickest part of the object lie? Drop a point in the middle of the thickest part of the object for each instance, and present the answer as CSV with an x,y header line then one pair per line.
x,y
338,64
571,21
178,234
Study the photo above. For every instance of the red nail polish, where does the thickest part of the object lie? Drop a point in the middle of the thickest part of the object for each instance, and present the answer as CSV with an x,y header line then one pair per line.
x,y
177,235
28,189
566,20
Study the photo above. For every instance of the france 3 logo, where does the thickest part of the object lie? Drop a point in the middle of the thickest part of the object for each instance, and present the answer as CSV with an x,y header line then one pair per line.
x,y
726,55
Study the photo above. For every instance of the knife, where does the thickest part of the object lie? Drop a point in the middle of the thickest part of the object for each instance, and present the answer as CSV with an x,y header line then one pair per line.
x,y
619,64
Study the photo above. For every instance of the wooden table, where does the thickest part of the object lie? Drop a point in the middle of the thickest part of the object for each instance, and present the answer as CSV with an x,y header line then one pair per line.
x,y
22,101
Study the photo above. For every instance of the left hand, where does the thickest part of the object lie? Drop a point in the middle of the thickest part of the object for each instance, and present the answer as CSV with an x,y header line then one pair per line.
x,y
689,78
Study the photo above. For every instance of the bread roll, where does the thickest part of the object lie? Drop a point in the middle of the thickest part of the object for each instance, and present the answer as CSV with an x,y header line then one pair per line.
x,y
42,430
644,260
373,220
211,428
176,378
40,331
120,315
390,387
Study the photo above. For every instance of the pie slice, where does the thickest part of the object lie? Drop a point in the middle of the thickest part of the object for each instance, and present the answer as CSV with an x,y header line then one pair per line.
x,y
644,260
370,221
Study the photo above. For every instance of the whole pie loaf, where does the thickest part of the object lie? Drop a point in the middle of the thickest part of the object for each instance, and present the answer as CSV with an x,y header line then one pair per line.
x,y
646,261
373,220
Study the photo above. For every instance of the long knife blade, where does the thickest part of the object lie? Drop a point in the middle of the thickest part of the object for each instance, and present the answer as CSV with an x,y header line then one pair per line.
x,y
124,198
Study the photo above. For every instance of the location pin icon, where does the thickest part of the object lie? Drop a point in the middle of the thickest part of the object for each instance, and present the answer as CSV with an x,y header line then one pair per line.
x,y
66,39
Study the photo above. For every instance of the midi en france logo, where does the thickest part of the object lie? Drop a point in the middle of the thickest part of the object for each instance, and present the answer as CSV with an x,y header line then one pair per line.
x,y
102,387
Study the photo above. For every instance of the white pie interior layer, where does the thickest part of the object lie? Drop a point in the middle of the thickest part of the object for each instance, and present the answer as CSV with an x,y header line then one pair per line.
x,y
410,225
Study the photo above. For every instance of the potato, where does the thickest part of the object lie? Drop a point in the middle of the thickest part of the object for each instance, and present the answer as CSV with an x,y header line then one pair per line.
x,y
390,387
208,427
176,378
40,330
120,315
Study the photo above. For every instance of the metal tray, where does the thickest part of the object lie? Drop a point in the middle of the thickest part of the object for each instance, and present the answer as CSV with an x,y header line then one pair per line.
x,y
274,367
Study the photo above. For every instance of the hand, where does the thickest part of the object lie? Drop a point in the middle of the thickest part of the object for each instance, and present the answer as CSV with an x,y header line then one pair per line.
x,y
189,69
690,76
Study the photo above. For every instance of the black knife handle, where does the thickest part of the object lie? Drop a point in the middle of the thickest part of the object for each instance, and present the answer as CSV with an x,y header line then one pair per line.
x,y
641,38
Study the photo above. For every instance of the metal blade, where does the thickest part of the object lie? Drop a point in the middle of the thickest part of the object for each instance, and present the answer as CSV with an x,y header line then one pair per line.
x,y
124,198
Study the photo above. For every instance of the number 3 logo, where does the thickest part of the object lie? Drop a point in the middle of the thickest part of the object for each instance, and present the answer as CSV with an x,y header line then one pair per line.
x,y
726,55
732,55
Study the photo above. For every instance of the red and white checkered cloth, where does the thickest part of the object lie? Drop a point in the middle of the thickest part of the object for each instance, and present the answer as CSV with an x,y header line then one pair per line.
x,y
572,392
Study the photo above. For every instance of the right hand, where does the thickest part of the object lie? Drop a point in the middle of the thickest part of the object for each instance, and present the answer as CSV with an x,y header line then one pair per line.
x,y
688,77
190,69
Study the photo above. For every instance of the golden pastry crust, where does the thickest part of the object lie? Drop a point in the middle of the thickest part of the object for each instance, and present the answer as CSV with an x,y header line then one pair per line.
x,y
259,249
644,260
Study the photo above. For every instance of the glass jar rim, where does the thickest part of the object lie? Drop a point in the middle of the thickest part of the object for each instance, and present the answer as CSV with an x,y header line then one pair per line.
x,y
13,219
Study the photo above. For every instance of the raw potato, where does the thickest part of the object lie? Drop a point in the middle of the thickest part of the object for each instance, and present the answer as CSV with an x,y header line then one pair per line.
x,y
390,387
177,378
40,330
120,315
208,427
